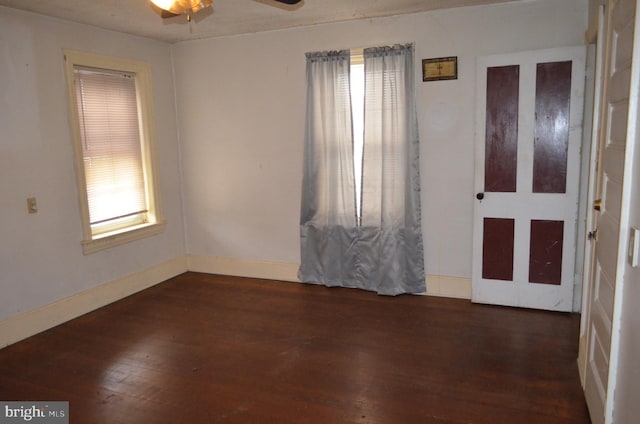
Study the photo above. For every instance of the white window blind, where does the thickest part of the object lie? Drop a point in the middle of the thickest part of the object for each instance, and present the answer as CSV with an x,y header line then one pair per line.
x,y
112,155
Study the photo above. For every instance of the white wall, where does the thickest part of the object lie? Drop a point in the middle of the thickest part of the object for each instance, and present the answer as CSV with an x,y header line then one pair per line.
x,y
41,259
241,104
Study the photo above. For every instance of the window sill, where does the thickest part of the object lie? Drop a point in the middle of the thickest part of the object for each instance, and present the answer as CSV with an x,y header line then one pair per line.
x,y
105,241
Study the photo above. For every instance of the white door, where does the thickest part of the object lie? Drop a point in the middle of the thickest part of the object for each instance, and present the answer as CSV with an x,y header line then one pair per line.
x,y
609,246
592,183
528,137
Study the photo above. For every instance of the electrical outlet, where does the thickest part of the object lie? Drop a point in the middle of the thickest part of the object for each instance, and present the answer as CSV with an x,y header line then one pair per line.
x,y
32,205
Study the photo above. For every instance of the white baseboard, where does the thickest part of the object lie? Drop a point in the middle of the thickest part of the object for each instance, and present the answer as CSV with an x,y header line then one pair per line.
x,y
243,268
37,320
437,285
445,286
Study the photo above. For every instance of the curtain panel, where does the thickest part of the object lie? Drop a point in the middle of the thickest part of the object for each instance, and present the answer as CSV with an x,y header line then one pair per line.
x,y
382,250
328,213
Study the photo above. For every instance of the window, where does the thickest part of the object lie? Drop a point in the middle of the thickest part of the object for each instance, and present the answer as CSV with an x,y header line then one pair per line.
x,y
114,142
356,79
360,216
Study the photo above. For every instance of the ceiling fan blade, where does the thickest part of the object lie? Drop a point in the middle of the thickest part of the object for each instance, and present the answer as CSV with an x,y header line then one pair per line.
x,y
288,1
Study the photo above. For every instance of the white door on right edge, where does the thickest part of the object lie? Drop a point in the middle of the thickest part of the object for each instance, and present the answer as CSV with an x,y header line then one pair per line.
x,y
607,262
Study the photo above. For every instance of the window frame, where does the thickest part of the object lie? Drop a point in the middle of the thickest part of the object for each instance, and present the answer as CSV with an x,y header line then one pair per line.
x,y
94,241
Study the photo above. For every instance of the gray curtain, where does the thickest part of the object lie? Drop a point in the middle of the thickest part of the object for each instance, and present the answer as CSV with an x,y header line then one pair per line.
x,y
390,252
328,215
382,251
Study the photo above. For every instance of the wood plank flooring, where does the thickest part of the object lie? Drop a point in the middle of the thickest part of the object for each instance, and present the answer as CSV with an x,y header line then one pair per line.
x,y
213,349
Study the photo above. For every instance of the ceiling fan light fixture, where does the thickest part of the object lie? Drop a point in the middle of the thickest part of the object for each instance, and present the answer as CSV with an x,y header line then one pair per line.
x,y
179,7
167,5
172,8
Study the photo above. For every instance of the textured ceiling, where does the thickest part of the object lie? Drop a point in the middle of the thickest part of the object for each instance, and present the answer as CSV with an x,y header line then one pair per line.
x,y
227,17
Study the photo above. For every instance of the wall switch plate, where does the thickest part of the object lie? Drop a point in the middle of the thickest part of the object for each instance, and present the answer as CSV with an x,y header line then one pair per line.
x,y
634,247
32,205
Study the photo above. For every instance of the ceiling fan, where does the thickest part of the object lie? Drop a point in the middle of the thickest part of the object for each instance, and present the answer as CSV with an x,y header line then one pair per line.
x,y
171,8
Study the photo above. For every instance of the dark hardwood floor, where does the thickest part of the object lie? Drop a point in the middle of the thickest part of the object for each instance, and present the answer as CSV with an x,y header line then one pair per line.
x,y
205,349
